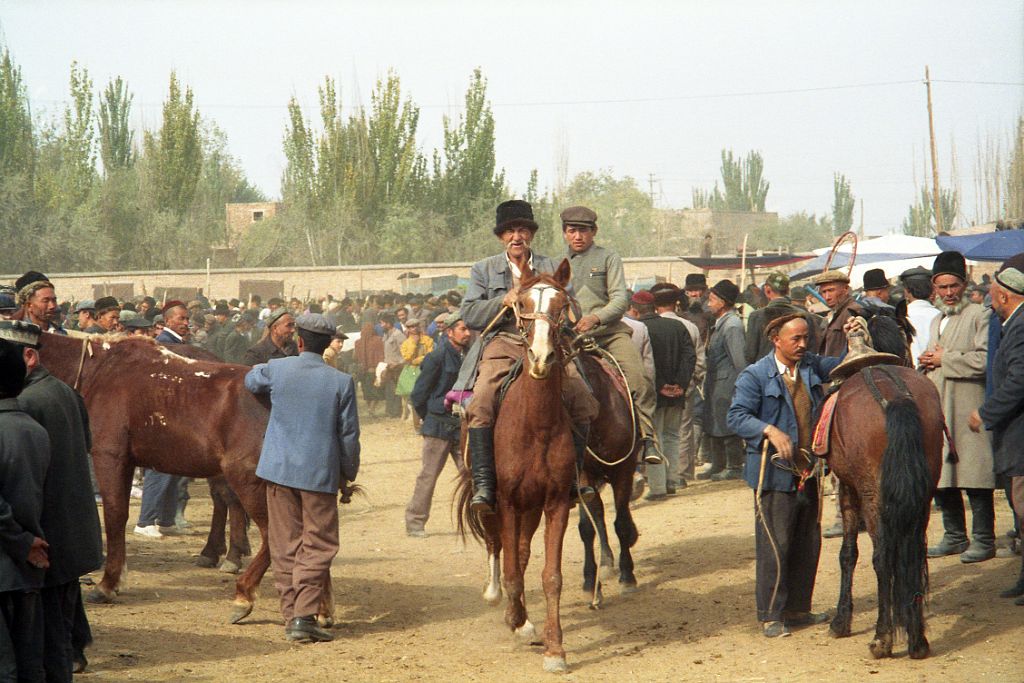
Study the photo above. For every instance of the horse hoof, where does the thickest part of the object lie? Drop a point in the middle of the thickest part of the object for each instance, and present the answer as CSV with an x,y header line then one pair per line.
x,y
921,651
229,567
97,596
838,629
240,612
492,595
206,562
607,572
628,588
879,649
527,634
555,665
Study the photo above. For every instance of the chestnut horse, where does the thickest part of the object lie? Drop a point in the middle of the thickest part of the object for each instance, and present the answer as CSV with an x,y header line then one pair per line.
x,y
151,407
886,449
535,463
613,448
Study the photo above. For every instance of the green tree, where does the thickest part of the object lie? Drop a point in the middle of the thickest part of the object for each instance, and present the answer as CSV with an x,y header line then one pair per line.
x,y
1015,177
745,188
17,143
798,232
920,220
842,204
116,135
175,152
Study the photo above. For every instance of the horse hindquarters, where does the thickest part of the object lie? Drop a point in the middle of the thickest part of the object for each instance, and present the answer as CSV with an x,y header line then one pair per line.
x,y
906,490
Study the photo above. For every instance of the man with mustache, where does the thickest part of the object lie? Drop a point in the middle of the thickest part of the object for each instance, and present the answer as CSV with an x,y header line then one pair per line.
x,y
494,284
955,361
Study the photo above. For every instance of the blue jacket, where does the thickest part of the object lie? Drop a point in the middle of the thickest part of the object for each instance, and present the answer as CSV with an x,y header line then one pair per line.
x,y
762,399
438,372
166,337
313,436
1003,410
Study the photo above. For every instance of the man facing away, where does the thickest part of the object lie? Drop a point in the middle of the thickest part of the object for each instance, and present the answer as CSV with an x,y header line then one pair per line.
x,y
310,449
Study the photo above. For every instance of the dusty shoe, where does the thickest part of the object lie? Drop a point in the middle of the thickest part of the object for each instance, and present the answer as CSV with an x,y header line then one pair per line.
x,y
978,552
775,629
728,474
416,533
947,547
148,531
834,531
305,630
806,618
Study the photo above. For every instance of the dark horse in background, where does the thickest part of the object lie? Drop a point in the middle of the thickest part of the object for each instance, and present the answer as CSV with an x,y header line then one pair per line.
x,y
886,449
613,446
151,407
535,464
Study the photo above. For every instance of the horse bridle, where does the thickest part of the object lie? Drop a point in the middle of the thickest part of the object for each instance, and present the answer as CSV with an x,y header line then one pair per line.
x,y
524,330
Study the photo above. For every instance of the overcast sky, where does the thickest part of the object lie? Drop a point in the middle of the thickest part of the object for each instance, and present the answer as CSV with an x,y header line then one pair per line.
x,y
638,88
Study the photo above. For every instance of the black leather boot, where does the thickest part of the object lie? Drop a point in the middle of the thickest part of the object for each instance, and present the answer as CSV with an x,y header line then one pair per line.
x,y
580,434
954,540
1017,590
481,462
983,522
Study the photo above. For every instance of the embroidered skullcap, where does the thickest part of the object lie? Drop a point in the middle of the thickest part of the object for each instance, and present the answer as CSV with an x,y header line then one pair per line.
x,y
29,283
1011,274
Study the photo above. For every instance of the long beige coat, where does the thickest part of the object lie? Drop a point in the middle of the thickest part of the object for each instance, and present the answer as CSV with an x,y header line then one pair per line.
x,y
961,384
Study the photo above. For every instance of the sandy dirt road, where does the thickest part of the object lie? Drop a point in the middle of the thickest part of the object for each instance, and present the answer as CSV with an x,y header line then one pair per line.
x,y
411,609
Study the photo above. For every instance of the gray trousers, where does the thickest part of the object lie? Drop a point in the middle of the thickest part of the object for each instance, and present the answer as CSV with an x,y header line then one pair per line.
x,y
435,454
797,535
688,437
665,474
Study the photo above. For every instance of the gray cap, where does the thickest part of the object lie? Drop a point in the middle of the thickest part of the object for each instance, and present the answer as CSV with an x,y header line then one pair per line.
x,y
316,323
138,323
453,318
87,305
20,332
916,271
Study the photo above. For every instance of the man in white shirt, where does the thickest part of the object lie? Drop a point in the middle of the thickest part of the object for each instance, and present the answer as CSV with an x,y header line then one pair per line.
x,y
917,287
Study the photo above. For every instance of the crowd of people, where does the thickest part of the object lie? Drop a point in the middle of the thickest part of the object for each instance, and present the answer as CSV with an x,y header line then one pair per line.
x,y
714,372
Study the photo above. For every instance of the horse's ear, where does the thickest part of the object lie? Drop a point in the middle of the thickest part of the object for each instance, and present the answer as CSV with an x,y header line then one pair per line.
x,y
527,273
563,273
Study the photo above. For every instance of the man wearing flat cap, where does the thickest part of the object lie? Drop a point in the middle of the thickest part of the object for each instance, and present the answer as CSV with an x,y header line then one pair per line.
x,y
725,361
311,448
1003,411
493,288
277,341
600,286
139,327
955,361
37,301
85,314
70,522
917,292
834,288
776,290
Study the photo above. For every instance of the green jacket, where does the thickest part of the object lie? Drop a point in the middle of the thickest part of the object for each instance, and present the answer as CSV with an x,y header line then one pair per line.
x,y
600,285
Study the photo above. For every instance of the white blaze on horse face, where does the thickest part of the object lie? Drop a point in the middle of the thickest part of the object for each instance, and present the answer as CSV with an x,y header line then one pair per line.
x,y
541,350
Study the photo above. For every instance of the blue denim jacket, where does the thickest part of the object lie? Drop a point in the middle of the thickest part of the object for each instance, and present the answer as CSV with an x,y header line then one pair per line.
x,y
761,399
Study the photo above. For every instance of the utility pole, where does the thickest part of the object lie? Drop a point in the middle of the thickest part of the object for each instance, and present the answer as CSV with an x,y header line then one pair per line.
x,y
935,157
861,218
650,187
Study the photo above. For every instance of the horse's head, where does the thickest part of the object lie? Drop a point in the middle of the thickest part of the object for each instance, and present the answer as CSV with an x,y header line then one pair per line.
x,y
540,312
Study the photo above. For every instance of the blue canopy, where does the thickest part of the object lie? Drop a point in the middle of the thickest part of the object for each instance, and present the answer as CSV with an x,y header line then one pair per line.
x,y
989,246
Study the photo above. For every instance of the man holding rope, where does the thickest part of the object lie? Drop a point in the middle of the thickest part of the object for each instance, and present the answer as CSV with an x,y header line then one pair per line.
x,y
772,410
493,288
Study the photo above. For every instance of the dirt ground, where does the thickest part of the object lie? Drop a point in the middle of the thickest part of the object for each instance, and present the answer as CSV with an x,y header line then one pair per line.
x,y
411,610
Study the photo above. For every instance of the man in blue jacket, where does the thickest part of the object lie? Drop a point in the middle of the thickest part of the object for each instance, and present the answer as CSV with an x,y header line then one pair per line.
x,y
775,399
440,429
311,447
1003,410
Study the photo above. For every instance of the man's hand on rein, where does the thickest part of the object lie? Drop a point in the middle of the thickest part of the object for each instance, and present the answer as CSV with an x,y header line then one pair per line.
x,y
587,323
509,300
781,441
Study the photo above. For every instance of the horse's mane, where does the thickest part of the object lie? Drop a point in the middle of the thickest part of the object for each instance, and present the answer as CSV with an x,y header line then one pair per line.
x,y
887,335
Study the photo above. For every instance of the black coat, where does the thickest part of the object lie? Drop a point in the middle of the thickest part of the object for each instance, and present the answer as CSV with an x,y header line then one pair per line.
x,y
1003,410
264,351
70,521
438,372
24,457
674,356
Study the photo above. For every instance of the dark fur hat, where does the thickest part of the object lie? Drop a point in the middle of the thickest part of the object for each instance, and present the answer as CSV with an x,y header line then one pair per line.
x,y
950,263
665,294
513,213
695,281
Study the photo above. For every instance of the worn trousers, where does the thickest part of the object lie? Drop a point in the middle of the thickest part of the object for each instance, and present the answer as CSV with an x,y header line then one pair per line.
x,y
496,361
435,455
666,474
21,637
303,540
794,526
688,437
61,610
1017,499
159,498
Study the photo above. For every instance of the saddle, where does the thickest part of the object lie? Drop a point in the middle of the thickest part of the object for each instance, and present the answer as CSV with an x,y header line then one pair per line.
x,y
823,427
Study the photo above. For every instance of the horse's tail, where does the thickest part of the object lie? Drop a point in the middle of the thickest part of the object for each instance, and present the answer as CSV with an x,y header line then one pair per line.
x,y
903,518
465,519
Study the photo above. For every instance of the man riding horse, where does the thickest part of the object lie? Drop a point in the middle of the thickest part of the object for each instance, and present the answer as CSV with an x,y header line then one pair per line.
x,y
491,293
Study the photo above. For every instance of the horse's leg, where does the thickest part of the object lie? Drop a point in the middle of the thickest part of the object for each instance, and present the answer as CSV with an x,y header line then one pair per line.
x,y
881,646
253,495
587,534
492,539
114,476
509,523
849,504
325,611
607,556
239,545
215,543
625,528
556,516
530,520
